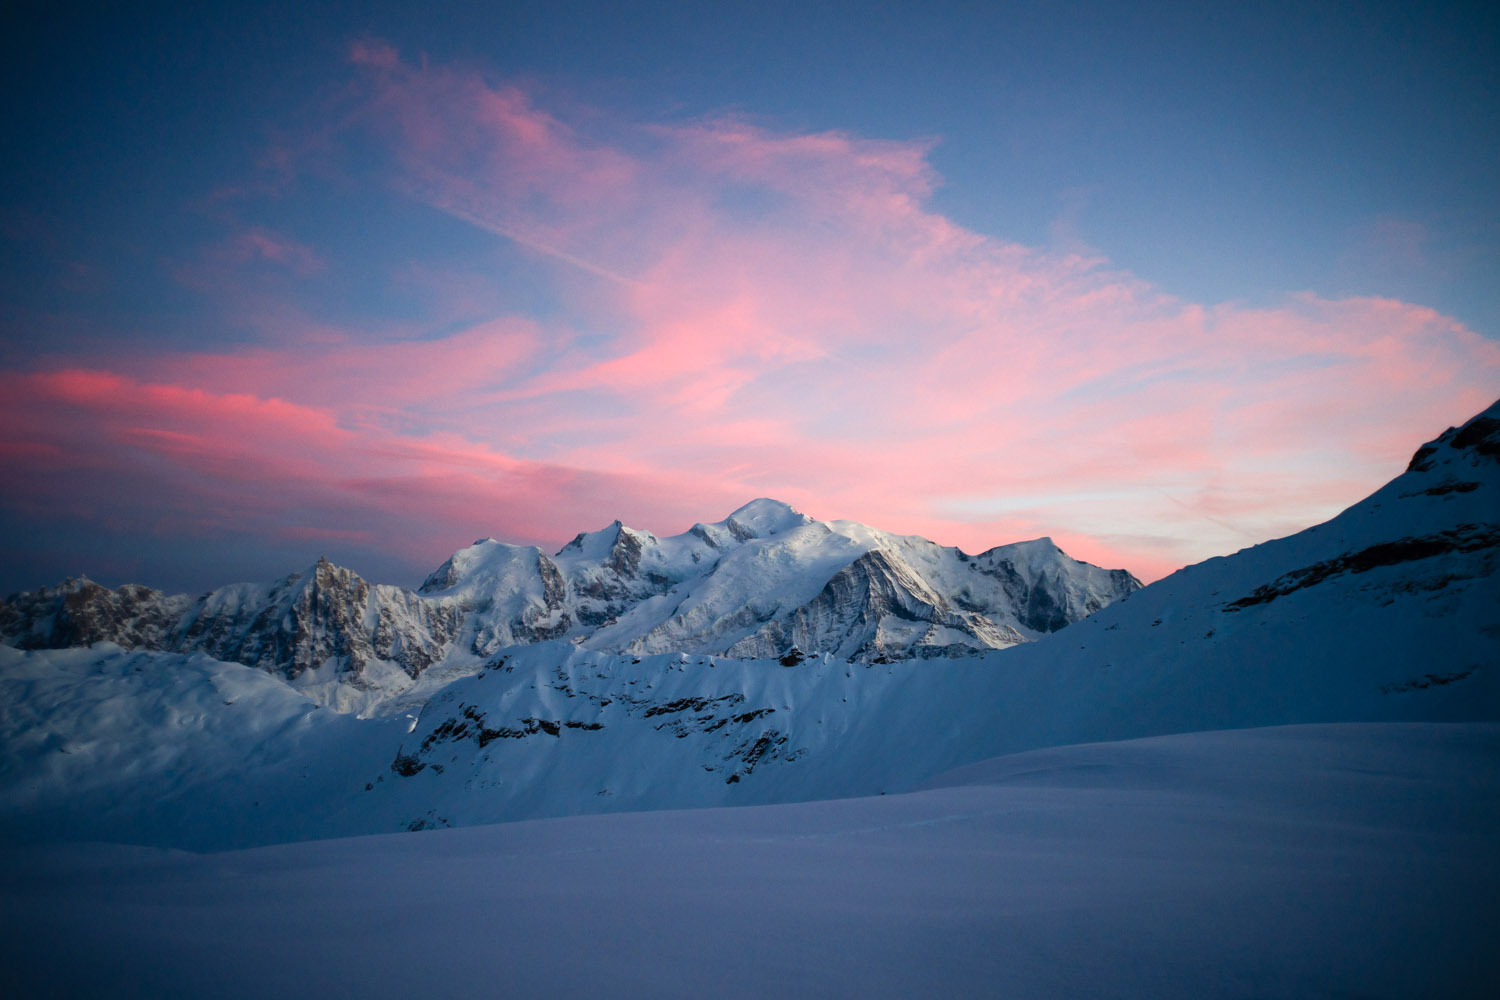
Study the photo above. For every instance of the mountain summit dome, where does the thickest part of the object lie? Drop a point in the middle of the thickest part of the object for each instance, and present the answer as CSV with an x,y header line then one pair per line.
x,y
764,517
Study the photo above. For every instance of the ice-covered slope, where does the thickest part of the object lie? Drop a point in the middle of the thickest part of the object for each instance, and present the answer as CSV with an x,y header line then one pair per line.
x,y
765,582
1323,861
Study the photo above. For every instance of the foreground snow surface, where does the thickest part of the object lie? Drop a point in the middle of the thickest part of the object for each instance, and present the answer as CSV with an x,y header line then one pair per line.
x,y
1324,860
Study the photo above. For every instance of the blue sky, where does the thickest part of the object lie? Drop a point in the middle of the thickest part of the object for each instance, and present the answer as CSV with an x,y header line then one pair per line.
x,y
204,197
1221,151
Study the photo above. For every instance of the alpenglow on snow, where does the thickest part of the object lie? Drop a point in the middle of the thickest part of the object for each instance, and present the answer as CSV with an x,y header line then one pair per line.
x,y
765,582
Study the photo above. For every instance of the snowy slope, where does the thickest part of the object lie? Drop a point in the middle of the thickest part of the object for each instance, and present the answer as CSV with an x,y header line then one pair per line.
x,y
764,582
1328,861
145,747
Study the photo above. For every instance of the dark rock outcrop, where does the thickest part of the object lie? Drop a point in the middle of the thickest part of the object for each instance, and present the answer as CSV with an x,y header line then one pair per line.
x,y
327,615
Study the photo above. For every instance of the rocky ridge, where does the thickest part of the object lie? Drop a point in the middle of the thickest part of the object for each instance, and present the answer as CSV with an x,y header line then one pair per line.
x,y
765,582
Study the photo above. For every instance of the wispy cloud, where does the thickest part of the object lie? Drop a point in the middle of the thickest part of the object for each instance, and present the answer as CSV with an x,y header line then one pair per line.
x,y
259,244
764,312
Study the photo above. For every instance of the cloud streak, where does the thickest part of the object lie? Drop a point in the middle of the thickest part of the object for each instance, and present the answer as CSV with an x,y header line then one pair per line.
x,y
747,311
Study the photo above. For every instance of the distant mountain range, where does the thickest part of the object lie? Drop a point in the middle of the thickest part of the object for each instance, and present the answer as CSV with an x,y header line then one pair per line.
x,y
764,582
766,658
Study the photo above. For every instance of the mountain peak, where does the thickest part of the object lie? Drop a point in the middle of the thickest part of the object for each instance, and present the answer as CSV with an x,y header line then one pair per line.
x,y
594,544
763,517
1478,440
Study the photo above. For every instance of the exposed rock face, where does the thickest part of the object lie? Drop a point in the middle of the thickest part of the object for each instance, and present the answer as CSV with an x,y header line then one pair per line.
x,y
765,582
79,612
1465,538
877,608
1478,440
327,616
1438,521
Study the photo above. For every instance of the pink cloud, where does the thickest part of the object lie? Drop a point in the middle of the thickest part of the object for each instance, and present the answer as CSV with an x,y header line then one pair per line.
x,y
259,243
763,313
433,376
374,53
166,458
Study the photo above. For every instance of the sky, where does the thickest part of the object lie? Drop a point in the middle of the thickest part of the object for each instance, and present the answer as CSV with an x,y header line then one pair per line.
x,y
372,281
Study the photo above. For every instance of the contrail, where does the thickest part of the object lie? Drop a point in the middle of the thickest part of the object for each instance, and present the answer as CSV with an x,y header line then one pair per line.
x,y
1207,517
532,243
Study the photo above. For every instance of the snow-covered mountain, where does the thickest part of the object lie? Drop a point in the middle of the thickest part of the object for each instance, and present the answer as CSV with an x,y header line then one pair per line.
x,y
337,638
1389,612
768,581
765,582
